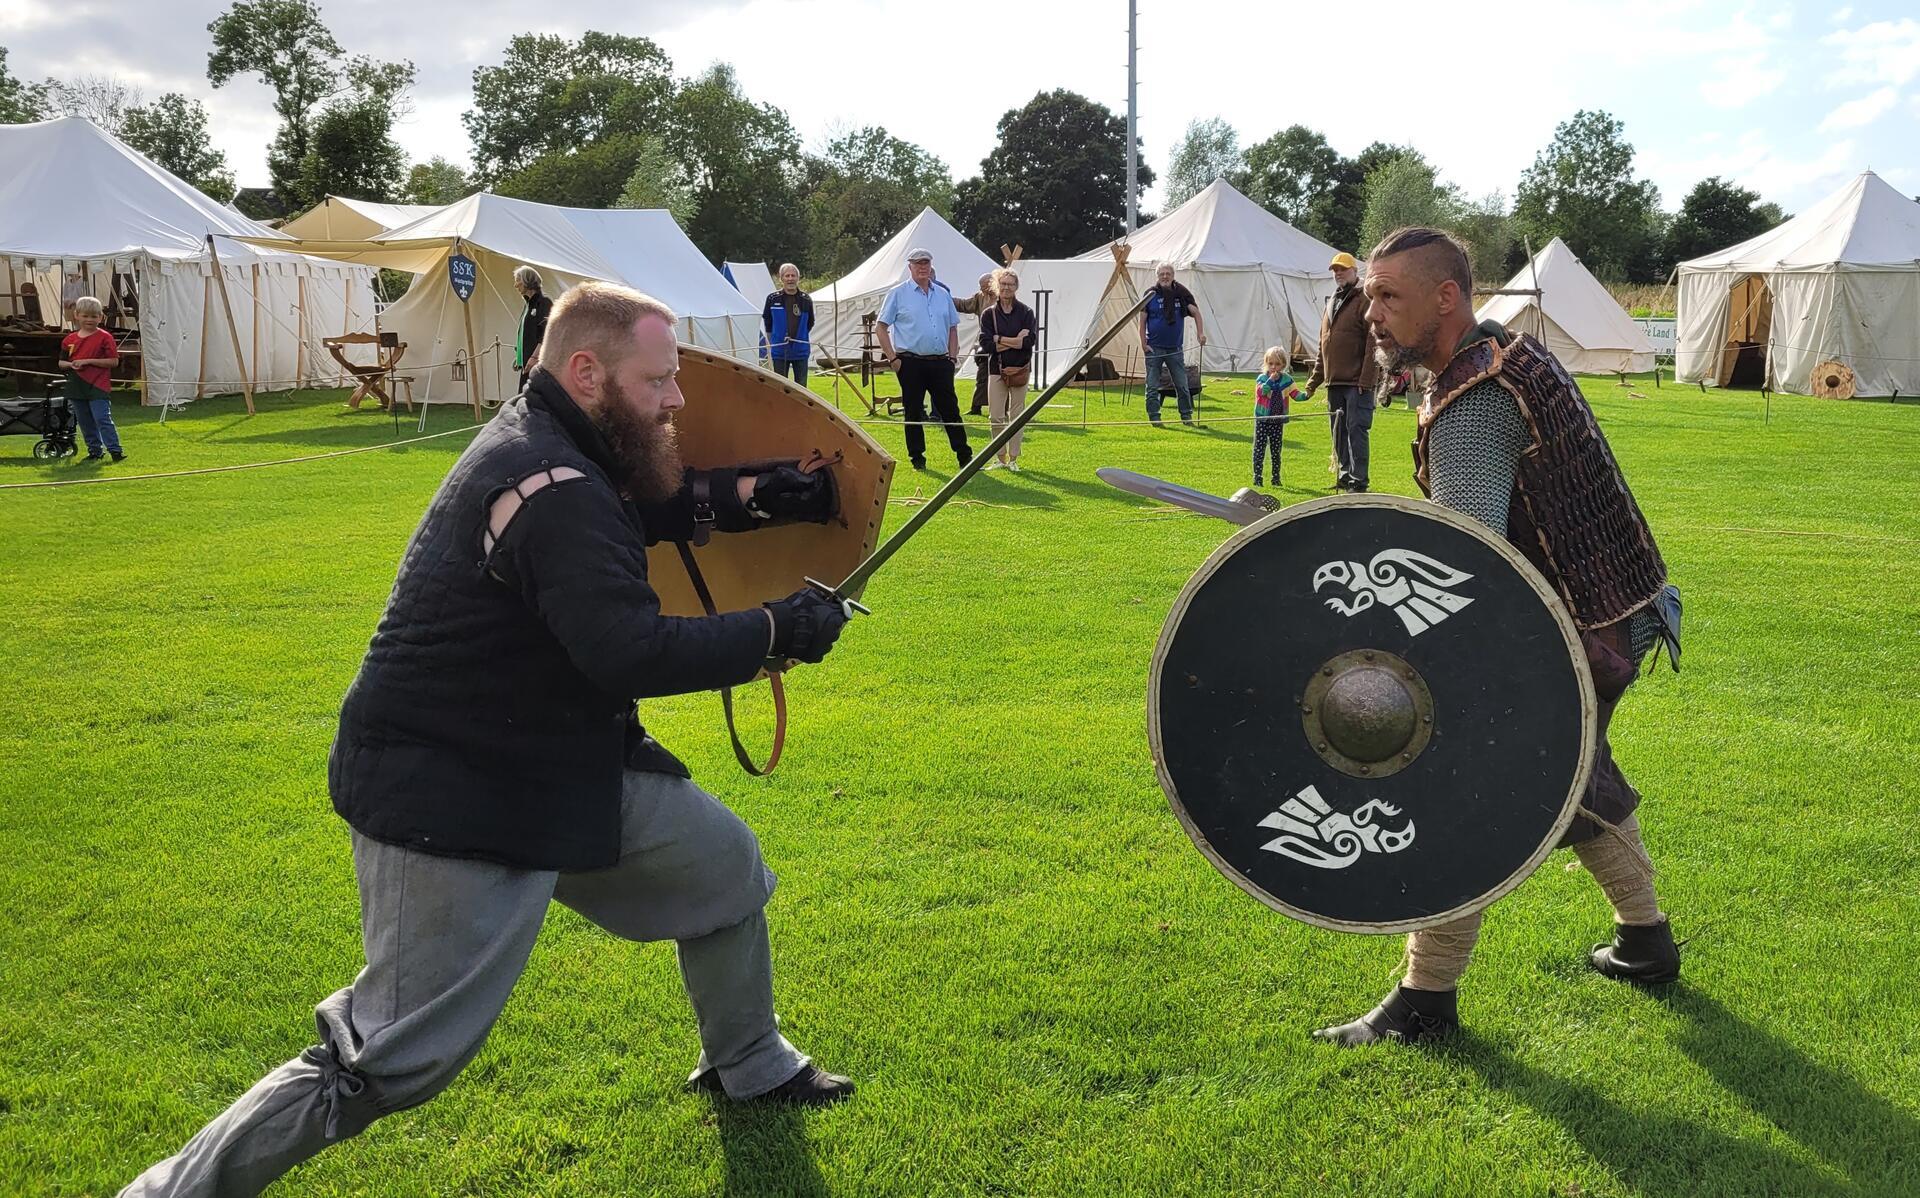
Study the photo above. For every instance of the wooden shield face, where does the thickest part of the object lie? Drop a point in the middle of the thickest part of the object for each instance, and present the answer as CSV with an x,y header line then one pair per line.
x,y
1371,714
737,413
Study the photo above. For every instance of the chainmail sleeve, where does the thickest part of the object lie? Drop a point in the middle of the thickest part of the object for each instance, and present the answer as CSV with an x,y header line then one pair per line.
x,y
1474,452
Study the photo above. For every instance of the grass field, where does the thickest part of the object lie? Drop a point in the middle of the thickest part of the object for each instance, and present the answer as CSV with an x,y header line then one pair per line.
x,y
987,915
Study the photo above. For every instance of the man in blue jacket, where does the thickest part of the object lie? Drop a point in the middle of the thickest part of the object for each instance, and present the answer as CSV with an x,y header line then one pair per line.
x,y
489,760
1163,327
787,320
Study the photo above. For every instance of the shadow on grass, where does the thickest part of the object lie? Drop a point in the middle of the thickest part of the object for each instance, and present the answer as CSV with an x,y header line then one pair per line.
x,y
764,1153
1856,1132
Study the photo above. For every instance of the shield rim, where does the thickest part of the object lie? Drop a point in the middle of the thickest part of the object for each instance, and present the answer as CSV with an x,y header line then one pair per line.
x,y
1589,705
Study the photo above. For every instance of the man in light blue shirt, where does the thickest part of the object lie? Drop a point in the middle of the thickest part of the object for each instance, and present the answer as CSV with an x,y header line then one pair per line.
x,y
919,334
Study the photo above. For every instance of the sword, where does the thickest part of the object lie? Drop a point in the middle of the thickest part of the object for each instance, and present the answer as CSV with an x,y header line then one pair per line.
x,y
853,582
1246,507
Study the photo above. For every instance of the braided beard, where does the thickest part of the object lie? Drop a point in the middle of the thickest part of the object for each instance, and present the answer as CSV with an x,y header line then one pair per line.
x,y
648,452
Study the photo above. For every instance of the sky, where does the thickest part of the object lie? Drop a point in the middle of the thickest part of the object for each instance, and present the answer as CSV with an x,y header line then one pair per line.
x,y
1787,99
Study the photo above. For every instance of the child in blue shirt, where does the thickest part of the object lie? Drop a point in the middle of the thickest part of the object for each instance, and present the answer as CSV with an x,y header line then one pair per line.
x,y
1274,392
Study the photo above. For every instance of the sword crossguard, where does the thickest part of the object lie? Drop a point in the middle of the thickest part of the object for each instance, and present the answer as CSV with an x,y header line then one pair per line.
x,y
833,593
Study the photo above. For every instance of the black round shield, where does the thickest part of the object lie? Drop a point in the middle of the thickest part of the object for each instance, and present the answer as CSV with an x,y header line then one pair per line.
x,y
1371,714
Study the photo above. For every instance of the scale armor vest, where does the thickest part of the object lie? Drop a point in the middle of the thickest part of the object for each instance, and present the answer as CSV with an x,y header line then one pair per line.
x,y
1572,513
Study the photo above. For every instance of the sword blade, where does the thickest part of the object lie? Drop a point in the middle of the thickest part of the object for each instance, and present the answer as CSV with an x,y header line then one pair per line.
x,y
865,570
1187,497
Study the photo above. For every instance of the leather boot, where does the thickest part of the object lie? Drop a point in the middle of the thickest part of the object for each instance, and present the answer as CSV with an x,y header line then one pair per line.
x,y
1406,1015
1642,953
812,1086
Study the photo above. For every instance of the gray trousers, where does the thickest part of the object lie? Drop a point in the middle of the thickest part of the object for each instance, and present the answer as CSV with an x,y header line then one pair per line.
x,y
446,940
1351,410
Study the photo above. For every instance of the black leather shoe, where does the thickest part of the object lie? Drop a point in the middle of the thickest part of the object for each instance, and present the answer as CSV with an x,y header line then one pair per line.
x,y
812,1086
1639,953
1408,1016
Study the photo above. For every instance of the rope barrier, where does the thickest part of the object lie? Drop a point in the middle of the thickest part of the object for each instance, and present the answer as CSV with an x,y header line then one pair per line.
x,y
402,369
311,457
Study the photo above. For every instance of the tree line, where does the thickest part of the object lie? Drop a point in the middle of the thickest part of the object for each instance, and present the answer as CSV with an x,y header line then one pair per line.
x,y
1580,187
603,121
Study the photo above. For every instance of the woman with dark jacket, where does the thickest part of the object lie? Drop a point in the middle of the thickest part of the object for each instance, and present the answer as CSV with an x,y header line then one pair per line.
x,y
533,321
1007,333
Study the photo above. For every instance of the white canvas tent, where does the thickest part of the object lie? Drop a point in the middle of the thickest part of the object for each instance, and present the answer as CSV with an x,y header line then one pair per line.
x,y
1081,301
641,247
131,220
838,307
1840,282
751,279
337,218
1258,280
1574,316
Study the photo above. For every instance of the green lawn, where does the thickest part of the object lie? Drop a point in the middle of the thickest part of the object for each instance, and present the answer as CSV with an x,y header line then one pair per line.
x,y
987,915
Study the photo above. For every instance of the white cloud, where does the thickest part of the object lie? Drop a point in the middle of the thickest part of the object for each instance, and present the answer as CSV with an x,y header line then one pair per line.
x,y
1842,15
1855,114
1739,80
1754,162
1883,52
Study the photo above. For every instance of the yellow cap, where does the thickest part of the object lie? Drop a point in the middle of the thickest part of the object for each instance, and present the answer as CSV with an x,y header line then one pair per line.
x,y
1343,259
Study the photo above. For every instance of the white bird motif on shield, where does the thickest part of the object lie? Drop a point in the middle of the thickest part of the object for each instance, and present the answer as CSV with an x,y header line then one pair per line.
x,y
1419,597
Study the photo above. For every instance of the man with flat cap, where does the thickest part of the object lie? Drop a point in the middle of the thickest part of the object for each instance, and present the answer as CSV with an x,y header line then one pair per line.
x,y
1348,370
920,338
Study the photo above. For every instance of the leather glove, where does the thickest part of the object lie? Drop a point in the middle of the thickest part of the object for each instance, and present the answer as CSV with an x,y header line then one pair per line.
x,y
805,625
788,494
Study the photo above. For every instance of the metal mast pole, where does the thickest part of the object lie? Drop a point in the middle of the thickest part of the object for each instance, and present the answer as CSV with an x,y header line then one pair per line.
x,y
1133,115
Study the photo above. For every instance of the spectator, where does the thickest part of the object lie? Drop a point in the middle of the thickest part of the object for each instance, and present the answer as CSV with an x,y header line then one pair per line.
x,y
533,321
974,305
88,356
1007,334
921,310
1273,396
1163,332
1350,373
73,287
787,320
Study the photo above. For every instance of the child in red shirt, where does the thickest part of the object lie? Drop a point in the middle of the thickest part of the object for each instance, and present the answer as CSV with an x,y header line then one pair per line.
x,y
88,355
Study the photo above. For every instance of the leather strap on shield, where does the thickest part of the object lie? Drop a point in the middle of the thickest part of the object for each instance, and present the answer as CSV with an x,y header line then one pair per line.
x,y
726,692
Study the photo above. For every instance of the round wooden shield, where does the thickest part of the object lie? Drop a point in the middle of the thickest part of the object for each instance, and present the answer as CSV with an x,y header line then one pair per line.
x,y
738,413
1371,714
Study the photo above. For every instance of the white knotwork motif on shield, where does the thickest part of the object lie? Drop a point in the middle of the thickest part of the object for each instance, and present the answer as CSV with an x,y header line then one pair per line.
x,y
1412,584
1313,833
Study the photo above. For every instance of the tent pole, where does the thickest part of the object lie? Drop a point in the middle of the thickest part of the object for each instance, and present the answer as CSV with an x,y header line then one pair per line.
x,y
256,326
206,313
300,324
226,302
473,368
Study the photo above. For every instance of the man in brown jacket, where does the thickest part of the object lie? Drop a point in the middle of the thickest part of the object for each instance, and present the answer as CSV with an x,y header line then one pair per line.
x,y
1347,367
974,305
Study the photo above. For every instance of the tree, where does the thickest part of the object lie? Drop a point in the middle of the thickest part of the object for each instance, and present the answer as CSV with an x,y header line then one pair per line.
x,y
1488,231
551,96
436,181
1209,150
20,101
350,149
592,176
1581,188
1402,191
659,181
292,50
1290,172
1716,214
173,132
1055,182
740,158
861,187
104,101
